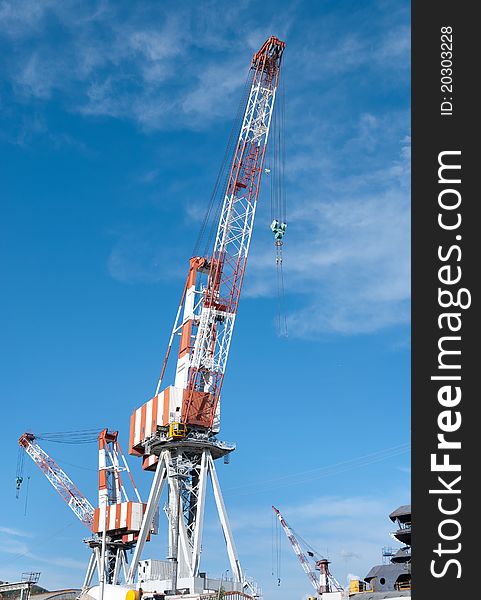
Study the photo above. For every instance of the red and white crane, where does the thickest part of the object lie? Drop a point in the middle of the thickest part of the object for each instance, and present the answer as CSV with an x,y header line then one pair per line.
x,y
324,582
115,523
175,431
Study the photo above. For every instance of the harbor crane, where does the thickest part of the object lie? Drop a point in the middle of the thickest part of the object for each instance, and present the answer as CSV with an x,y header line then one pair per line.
x,y
175,432
114,525
325,582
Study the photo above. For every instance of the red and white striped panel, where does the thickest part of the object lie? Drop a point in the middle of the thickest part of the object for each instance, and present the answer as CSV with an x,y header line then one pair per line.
x,y
157,412
133,537
125,516
149,462
186,341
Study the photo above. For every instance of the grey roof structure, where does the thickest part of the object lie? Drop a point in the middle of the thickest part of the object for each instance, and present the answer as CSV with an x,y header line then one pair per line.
x,y
391,570
387,578
402,555
403,514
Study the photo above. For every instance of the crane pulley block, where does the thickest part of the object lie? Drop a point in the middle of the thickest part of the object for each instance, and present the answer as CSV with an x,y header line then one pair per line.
x,y
278,229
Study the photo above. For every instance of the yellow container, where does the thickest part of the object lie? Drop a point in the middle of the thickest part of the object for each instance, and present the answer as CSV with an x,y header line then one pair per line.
x,y
355,585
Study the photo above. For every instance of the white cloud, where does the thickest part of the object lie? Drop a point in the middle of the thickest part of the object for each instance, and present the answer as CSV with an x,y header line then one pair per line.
x,y
113,66
19,19
20,549
215,86
350,531
99,35
13,546
395,45
34,78
141,257
14,532
347,248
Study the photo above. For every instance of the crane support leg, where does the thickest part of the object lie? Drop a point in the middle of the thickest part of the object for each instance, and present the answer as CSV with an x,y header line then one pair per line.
x,y
231,549
119,556
184,544
125,565
199,523
90,571
152,505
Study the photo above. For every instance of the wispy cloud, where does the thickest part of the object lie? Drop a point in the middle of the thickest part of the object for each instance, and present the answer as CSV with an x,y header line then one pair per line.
x,y
99,38
141,256
18,20
14,532
347,249
126,68
20,549
302,477
350,531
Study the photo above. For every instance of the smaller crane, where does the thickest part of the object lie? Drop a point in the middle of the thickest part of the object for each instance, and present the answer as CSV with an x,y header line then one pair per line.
x,y
116,523
326,582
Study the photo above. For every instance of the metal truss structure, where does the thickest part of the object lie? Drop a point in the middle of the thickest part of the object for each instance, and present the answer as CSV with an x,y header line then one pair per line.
x,y
185,471
323,583
59,480
24,586
116,522
117,519
226,266
175,431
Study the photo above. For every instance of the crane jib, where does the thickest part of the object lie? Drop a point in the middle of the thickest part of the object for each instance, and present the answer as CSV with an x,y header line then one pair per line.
x,y
231,247
59,480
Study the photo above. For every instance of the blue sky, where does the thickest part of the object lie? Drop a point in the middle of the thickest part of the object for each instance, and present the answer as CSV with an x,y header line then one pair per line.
x,y
113,121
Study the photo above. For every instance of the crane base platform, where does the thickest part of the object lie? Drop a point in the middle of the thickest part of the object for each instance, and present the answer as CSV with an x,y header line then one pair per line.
x,y
155,577
192,444
152,592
